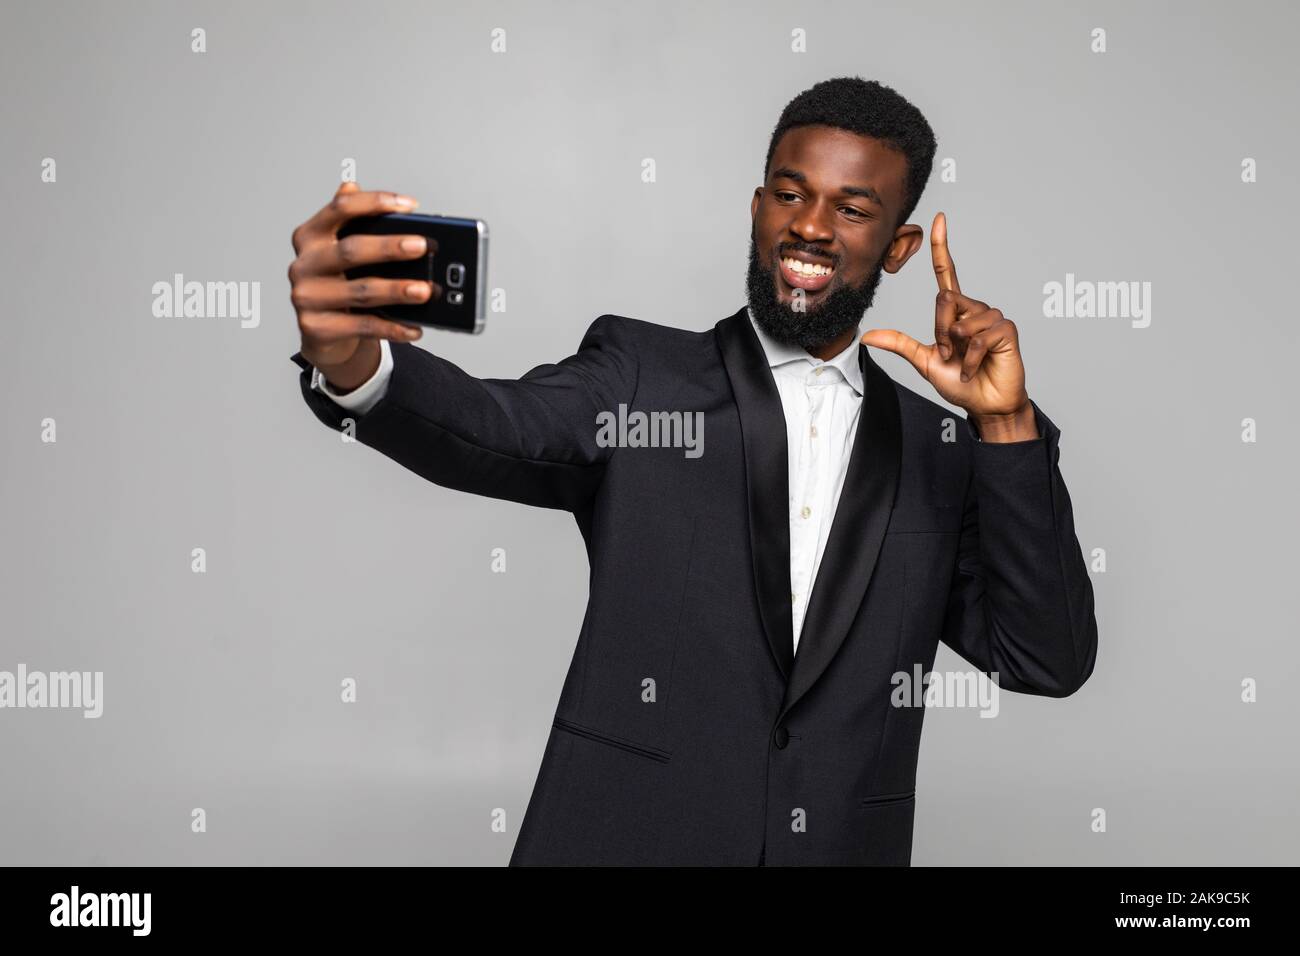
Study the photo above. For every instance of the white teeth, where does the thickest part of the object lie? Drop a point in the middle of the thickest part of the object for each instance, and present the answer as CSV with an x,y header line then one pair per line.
x,y
805,269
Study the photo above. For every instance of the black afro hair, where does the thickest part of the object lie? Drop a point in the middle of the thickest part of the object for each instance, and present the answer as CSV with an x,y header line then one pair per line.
x,y
870,109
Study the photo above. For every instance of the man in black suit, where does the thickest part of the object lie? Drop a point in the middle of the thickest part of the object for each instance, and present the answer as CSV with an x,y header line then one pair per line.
x,y
754,596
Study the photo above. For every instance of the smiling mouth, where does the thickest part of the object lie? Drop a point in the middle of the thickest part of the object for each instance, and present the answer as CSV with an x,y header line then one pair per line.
x,y
802,275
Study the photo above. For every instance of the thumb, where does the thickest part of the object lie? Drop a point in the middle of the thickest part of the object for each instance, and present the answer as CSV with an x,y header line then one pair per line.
x,y
900,343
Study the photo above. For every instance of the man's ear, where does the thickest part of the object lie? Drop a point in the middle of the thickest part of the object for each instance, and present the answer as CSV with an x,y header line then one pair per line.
x,y
907,239
753,203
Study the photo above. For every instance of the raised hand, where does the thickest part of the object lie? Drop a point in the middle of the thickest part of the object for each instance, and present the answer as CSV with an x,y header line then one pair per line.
x,y
975,361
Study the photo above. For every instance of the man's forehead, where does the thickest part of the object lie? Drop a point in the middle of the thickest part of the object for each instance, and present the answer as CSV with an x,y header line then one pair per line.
x,y
832,158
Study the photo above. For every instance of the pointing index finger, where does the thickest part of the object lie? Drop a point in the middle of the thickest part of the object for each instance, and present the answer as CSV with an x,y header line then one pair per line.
x,y
944,271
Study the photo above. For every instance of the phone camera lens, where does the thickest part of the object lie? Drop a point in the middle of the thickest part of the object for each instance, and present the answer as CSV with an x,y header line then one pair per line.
x,y
455,275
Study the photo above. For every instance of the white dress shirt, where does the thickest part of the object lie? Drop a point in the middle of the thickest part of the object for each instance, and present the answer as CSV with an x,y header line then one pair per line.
x,y
821,400
366,395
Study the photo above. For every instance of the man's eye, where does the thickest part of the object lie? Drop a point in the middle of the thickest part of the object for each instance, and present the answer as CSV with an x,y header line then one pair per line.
x,y
854,209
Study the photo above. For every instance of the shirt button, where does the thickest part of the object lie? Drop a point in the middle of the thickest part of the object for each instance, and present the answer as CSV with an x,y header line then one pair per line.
x,y
813,431
805,512
792,598
819,369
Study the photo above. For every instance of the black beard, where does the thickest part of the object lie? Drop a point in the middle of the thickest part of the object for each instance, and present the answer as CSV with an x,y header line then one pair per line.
x,y
839,310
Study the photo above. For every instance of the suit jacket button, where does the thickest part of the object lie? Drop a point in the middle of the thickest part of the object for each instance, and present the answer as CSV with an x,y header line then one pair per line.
x,y
782,738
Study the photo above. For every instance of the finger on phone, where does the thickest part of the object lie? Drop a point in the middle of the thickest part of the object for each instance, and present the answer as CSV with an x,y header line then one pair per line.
x,y
349,205
359,249
329,326
336,292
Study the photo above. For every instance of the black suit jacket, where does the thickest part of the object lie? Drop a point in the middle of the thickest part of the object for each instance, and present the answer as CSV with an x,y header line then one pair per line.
x,y
686,731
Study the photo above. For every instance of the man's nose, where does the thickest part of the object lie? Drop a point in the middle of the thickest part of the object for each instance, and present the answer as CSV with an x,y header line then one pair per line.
x,y
811,223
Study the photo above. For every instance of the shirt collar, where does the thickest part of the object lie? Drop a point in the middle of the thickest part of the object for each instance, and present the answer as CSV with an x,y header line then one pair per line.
x,y
778,353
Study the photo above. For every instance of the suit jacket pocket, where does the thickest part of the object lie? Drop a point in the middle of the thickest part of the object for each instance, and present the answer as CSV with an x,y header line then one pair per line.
x,y
642,750
884,799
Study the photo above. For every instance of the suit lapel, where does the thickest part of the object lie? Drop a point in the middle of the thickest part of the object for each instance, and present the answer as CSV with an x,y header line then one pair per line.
x,y
857,532
861,515
767,479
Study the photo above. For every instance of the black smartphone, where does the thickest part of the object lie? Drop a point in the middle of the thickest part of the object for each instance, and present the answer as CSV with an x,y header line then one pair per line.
x,y
458,263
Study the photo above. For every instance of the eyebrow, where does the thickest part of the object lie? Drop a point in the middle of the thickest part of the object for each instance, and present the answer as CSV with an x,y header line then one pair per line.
x,y
866,192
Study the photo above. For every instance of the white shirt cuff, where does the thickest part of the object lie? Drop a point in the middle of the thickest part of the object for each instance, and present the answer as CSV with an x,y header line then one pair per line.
x,y
366,395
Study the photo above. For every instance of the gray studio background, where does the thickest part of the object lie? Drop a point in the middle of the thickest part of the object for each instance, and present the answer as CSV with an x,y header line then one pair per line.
x,y
327,560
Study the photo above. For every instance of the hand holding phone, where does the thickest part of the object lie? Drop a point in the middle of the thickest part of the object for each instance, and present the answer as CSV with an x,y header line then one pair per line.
x,y
455,262
341,318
